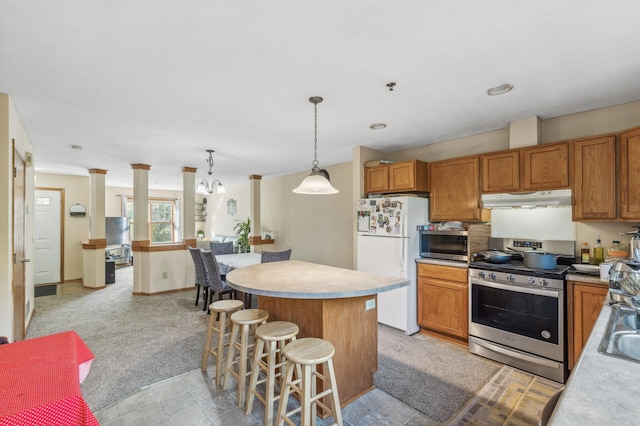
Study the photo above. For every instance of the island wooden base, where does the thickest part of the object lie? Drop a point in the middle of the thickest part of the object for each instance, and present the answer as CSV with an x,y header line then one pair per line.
x,y
348,325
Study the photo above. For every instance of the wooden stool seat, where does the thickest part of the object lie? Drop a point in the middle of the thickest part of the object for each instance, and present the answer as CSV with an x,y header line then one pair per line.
x,y
308,353
218,308
269,357
243,321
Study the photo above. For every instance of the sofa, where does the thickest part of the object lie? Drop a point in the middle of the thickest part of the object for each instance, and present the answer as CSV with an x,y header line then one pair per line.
x,y
218,238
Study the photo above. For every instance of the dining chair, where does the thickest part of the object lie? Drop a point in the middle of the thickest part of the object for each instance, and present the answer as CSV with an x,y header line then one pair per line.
x,y
221,248
275,256
216,284
202,279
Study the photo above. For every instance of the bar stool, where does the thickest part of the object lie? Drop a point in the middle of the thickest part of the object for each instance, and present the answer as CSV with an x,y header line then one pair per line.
x,y
218,308
271,339
309,352
242,322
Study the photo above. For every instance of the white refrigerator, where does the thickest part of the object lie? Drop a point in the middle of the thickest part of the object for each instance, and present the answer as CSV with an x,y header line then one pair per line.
x,y
388,244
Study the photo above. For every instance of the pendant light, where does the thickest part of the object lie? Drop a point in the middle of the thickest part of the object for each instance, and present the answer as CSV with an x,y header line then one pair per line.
x,y
317,183
216,186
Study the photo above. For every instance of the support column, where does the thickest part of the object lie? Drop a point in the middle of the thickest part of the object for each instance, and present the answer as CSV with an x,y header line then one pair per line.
x,y
254,212
141,238
189,206
93,252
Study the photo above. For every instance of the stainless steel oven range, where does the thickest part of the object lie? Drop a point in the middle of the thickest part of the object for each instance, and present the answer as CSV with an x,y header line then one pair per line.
x,y
517,314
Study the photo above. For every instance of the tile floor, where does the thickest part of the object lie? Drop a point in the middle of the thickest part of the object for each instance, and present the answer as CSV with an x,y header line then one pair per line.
x,y
193,399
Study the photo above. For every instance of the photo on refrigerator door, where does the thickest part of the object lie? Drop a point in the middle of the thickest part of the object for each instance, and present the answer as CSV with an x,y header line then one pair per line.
x,y
363,221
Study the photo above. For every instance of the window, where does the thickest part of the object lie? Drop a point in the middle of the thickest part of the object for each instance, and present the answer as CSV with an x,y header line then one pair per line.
x,y
161,219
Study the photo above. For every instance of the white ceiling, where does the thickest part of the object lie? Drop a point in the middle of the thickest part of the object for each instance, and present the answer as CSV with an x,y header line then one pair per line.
x,y
158,82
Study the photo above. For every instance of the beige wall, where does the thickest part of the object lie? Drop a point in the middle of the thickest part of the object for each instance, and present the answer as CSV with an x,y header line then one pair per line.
x,y
591,123
11,129
220,222
318,228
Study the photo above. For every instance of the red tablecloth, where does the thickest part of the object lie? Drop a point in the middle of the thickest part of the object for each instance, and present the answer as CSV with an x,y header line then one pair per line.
x,y
40,381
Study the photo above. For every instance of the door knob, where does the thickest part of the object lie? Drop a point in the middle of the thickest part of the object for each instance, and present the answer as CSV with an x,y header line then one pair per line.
x,y
25,260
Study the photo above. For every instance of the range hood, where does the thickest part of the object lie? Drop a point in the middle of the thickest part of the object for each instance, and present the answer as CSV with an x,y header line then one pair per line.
x,y
554,198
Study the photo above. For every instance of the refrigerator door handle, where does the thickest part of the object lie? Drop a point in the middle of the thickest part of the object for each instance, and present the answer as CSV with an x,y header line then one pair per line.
x,y
402,269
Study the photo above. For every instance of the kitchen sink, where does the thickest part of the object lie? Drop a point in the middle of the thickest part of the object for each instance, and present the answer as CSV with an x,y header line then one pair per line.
x,y
622,337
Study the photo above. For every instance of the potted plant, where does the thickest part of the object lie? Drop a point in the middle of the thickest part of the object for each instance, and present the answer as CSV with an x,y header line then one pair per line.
x,y
243,229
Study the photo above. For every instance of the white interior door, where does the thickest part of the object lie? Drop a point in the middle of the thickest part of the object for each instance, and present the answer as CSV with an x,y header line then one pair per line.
x,y
47,237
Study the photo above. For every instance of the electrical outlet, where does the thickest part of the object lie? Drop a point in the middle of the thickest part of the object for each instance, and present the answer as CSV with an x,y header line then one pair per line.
x,y
164,275
370,304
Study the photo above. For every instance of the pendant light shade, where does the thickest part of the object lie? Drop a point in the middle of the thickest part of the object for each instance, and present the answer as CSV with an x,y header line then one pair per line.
x,y
317,183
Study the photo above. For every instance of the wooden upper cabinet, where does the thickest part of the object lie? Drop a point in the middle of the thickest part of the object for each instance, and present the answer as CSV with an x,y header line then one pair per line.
x,y
408,176
630,174
501,171
594,178
376,179
405,176
545,167
455,189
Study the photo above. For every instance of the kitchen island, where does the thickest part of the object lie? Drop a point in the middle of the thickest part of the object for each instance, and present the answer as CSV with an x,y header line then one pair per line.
x,y
335,304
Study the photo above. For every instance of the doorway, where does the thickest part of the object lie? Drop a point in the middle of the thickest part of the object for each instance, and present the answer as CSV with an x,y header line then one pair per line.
x,y
19,258
48,234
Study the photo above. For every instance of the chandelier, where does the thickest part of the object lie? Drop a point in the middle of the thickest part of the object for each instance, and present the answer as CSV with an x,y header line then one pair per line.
x,y
216,186
317,183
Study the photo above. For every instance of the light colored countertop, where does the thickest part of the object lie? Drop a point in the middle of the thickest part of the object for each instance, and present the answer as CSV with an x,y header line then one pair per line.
x,y
296,279
454,263
602,390
592,279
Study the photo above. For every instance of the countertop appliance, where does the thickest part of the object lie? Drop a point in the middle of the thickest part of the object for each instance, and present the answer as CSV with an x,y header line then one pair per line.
x,y
449,244
388,244
517,314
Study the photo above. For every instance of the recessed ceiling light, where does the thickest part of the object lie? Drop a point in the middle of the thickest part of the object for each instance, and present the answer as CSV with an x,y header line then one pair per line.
x,y
499,90
76,147
378,126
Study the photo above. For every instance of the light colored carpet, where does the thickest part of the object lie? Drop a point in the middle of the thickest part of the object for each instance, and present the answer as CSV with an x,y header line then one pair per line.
x,y
513,397
434,377
137,340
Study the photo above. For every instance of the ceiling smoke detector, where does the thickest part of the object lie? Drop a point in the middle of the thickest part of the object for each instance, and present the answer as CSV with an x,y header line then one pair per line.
x,y
378,126
76,147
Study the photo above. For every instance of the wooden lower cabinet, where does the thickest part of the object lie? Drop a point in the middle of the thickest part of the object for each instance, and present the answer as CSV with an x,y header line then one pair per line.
x,y
443,302
584,305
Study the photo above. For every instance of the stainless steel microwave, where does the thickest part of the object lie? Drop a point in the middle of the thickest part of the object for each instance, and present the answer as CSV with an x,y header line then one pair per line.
x,y
449,245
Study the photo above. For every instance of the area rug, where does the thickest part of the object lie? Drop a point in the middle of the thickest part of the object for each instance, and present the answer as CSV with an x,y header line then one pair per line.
x,y
432,376
512,397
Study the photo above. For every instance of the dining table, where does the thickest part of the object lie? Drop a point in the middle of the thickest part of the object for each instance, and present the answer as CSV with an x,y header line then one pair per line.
x,y
40,381
229,262
335,304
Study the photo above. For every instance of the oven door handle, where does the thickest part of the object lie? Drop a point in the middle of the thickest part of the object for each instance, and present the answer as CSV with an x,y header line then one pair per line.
x,y
511,287
519,355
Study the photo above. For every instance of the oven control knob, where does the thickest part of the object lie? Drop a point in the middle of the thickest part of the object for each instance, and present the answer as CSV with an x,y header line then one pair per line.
x,y
492,275
482,274
531,280
544,282
511,277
